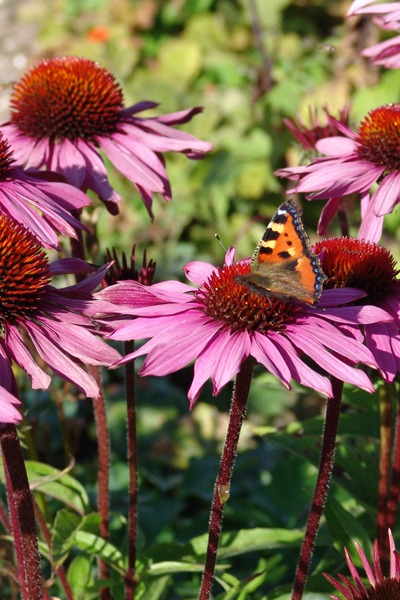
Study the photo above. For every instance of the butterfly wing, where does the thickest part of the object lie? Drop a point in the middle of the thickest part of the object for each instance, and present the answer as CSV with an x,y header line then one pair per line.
x,y
283,266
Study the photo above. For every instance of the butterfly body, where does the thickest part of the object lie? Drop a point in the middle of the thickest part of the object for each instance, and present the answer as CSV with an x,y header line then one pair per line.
x,y
283,266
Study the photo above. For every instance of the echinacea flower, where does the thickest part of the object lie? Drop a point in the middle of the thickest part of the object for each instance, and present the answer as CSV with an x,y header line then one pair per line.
x,y
219,324
25,192
56,321
354,263
66,109
318,128
387,16
380,586
354,163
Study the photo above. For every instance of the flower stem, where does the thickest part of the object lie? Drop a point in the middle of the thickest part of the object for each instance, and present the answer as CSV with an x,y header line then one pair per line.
x,y
130,583
103,447
394,492
103,439
385,409
321,488
221,489
22,515
47,538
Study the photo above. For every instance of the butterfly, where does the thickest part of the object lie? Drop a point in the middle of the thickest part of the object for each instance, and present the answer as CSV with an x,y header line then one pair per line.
x,y
283,265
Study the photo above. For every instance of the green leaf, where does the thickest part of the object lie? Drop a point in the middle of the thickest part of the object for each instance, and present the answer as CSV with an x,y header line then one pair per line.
x,y
95,545
65,525
346,528
57,484
172,566
80,576
234,543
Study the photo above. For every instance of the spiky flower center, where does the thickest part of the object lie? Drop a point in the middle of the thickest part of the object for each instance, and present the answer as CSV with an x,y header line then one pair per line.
x,y
229,302
386,589
23,271
121,270
6,157
379,137
350,262
66,97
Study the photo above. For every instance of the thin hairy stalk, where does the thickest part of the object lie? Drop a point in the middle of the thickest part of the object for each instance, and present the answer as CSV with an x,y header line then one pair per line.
x,y
385,455
22,516
394,491
131,428
103,443
222,485
103,447
47,538
321,488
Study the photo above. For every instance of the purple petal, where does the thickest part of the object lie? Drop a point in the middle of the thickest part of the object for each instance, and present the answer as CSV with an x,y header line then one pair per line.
x,y
70,163
361,315
327,215
60,362
8,411
387,194
310,345
131,166
265,352
299,370
18,350
371,225
378,338
199,272
336,146
80,343
221,360
142,327
167,353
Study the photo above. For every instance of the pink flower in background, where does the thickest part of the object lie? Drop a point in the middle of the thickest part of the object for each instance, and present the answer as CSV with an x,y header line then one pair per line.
x,y
387,16
64,110
56,321
25,192
378,586
356,162
354,263
219,324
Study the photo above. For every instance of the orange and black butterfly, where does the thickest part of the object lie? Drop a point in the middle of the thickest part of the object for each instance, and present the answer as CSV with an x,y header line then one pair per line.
x,y
283,266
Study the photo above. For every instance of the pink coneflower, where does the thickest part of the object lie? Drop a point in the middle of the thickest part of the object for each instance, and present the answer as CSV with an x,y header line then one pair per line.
x,y
356,162
220,324
379,587
318,128
55,321
387,16
350,262
64,110
25,192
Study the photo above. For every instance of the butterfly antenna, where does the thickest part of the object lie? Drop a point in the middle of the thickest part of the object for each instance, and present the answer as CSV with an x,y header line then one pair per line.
x,y
219,239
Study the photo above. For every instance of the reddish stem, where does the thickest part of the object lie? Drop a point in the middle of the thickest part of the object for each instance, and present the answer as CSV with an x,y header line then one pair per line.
x,y
321,488
385,409
394,492
103,447
131,426
221,489
47,538
22,515
103,440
